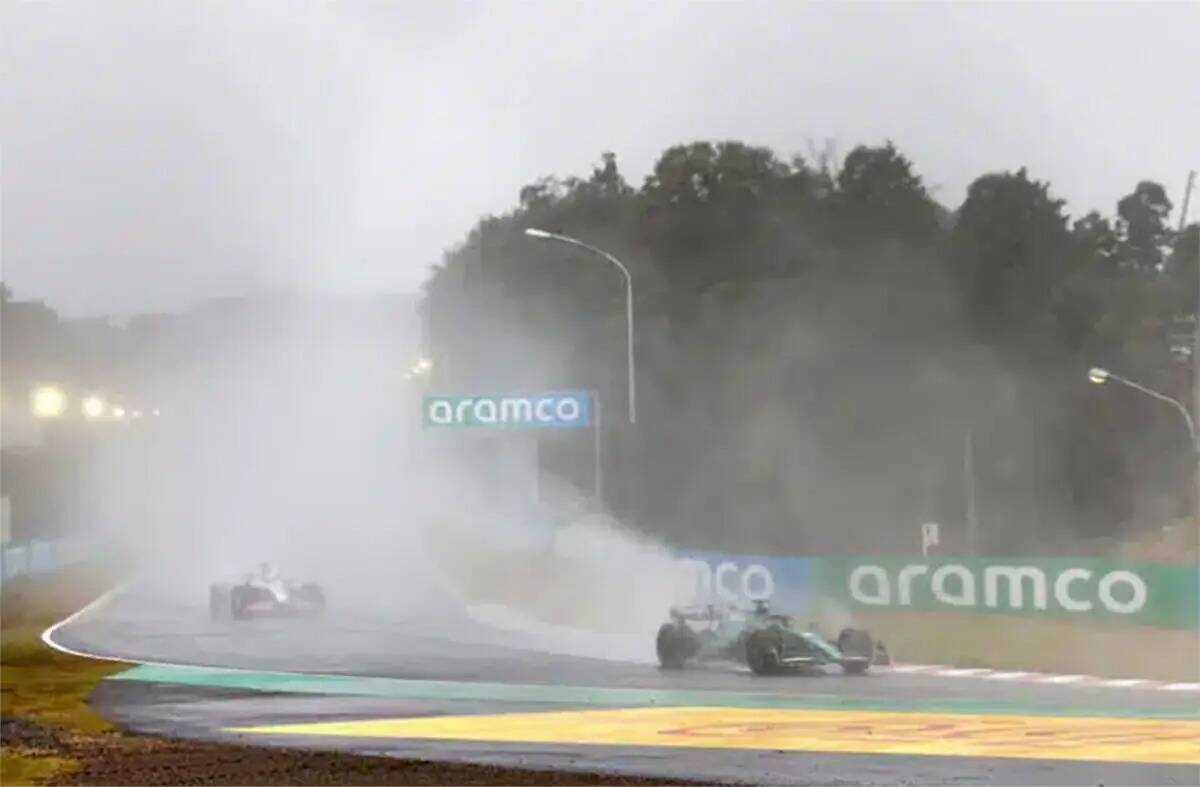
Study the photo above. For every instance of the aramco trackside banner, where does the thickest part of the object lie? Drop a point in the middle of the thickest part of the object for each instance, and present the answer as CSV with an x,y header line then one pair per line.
x,y
1118,591
556,409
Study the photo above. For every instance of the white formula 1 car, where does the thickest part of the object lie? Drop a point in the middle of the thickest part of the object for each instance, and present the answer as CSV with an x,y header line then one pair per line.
x,y
265,593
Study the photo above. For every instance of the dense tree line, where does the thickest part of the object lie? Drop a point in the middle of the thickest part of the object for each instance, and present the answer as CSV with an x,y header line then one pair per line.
x,y
819,341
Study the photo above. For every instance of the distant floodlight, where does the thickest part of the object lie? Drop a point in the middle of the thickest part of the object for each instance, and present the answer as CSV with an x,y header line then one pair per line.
x,y
1098,376
118,412
48,401
92,407
424,365
136,414
156,412
533,232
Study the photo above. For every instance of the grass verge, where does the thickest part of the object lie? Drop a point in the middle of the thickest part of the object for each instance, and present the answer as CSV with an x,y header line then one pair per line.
x,y
1015,642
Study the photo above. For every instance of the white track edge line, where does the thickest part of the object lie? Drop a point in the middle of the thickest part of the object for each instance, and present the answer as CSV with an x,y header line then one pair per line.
x,y
99,601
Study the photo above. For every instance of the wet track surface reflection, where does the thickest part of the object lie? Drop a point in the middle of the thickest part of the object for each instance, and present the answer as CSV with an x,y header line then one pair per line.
x,y
445,644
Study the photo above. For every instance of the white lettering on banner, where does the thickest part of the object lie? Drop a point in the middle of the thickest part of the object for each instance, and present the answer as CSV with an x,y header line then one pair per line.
x,y
764,577
441,413
883,588
1062,589
1122,607
568,409
487,416
1014,574
515,410
726,582
722,589
904,580
1122,592
966,593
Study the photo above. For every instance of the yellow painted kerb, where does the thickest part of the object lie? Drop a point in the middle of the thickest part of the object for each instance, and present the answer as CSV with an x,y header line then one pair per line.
x,y
862,732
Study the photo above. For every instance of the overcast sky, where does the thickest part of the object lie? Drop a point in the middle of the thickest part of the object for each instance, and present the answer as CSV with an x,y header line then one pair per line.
x,y
155,153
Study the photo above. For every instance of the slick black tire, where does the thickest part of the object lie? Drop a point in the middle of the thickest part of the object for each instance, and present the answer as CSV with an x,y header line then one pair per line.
x,y
856,642
313,598
764,652
239,602
675,644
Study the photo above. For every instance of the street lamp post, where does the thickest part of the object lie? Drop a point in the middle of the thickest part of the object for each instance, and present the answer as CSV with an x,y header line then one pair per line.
x,y
1101,376
544,235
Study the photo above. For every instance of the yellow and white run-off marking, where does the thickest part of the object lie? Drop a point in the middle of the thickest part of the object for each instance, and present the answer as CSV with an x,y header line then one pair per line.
x,y
859,732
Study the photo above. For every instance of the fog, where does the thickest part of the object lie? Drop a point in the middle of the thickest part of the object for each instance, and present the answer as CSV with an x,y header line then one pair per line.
x,y
290,432
156,154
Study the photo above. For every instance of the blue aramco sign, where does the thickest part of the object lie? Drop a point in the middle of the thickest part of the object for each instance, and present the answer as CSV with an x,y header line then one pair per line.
x,y
558,409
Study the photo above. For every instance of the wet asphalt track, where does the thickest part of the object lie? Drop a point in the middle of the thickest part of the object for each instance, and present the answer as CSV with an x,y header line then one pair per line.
x,y
143,625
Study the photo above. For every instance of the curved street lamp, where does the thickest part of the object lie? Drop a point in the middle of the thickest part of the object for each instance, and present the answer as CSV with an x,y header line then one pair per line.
x,y
544,235
1101,376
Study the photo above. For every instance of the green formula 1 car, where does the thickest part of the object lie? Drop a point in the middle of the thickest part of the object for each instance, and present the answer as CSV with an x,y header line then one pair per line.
x,y
768,643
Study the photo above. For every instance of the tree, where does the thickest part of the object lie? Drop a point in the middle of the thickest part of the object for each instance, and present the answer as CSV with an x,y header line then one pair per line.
x,y
796,337
701,203
1142,227
879,196
1009,243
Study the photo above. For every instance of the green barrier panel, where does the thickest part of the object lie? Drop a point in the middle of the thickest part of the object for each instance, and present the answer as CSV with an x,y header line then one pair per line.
x,y
1139,593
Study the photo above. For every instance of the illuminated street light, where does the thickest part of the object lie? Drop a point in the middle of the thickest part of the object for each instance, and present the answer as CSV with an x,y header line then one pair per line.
x,y
118,412
424,365
1101,376
48,401
534,232
156,412
136,414
92,407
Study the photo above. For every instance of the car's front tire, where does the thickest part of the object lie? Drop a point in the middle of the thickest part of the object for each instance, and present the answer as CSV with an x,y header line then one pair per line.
x,y
312,599
856,642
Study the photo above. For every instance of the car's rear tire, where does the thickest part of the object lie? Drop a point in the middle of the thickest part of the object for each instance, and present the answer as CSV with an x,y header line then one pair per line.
x,y
764,652
239,602
675,644
313,599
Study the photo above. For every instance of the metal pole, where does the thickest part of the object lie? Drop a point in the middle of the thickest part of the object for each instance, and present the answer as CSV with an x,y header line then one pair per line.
x,y
1187,198
599,465
632,370
969,475
1178,405
1191,427
629,345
